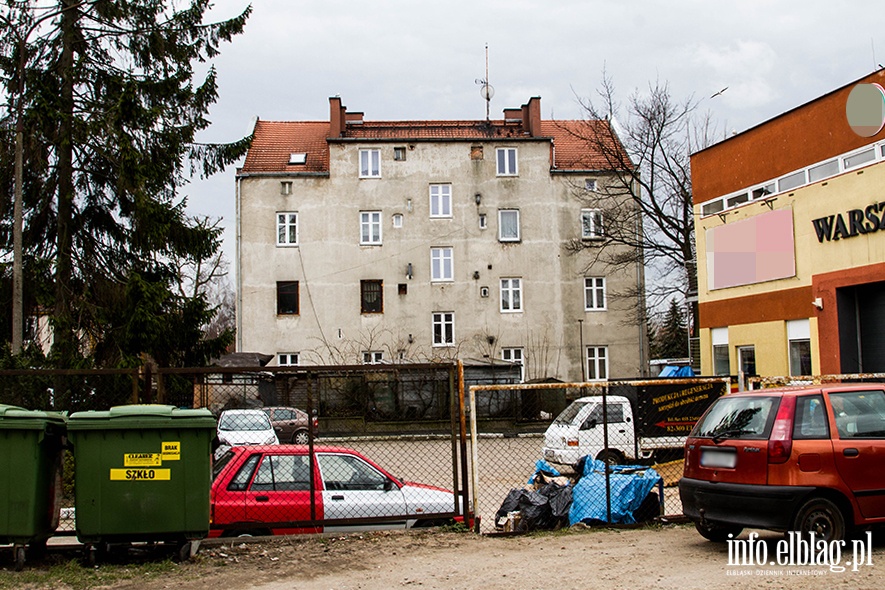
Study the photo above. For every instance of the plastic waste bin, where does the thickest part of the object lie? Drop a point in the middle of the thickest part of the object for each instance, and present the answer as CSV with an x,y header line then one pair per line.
x,y
142,473
31,445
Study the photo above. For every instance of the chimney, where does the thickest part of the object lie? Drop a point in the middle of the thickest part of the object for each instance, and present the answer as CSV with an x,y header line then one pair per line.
x,y
337,115
531,116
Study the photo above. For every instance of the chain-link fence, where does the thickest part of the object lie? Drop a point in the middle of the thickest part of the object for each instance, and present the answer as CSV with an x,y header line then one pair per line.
x,y
404,445
612,455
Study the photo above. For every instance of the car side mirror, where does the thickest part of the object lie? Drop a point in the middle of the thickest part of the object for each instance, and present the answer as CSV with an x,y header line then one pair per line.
x,y
389,485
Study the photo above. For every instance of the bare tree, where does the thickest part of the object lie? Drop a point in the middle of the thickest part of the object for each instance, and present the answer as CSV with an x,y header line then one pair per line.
x,y
646,200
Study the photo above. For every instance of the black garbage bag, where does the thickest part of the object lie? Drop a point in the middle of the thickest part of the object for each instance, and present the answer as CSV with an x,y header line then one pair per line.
x,y
546,508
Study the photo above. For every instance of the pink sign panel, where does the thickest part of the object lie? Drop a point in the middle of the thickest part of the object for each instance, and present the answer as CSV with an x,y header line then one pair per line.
x,y
751,251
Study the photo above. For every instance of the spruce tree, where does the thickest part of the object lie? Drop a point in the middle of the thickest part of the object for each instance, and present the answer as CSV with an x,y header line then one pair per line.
x,y
112,106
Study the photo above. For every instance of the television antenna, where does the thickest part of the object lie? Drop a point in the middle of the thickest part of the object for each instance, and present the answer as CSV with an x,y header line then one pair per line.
x,y
486,90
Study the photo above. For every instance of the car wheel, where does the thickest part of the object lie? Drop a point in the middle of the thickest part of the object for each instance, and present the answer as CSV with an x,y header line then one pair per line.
x,y
718,533
300,438
822,518
610,457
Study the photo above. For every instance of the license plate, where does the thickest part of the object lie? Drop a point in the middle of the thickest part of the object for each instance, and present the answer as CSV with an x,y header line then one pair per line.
x,y
719,459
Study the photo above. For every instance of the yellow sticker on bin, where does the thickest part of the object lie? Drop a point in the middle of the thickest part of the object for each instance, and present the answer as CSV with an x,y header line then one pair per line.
x,y
140,474
171,451
142,460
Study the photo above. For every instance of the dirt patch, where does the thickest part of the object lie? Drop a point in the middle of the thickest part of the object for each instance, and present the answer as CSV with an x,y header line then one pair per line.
x,y
668,557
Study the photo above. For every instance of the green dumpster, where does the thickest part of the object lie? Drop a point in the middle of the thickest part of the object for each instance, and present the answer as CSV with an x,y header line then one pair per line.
x,y
142,473
31,445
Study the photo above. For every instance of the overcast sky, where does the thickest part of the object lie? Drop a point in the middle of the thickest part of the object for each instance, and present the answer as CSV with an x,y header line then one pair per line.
x,y
417,59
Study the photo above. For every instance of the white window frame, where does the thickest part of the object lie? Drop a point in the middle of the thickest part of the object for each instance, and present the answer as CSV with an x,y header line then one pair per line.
x,y
483,221
595,296
443,328
597,363
287,359
501,237
719,341
592,227
511,295
286,222
591,185
370,228
504,163
442,264
440,200
515,354
798,331
370,163
397,220
373,357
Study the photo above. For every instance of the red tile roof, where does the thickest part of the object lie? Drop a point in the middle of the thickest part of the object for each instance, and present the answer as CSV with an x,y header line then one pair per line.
x,y
274,141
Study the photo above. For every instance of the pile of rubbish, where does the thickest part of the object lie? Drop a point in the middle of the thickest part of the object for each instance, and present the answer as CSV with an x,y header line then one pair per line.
x,y
550,500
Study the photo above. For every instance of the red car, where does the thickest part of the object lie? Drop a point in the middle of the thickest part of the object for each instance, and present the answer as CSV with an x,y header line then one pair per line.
x,y
261,490
808,459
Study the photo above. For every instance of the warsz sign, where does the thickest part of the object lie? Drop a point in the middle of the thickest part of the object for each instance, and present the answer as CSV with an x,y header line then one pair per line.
x,y
852,223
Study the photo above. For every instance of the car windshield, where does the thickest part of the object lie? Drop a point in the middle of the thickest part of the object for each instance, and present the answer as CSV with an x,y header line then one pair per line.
x,y
250,421
738,417
568,414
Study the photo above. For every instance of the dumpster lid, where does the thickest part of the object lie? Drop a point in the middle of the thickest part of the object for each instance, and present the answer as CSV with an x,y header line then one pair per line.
x,y
149,415
16,417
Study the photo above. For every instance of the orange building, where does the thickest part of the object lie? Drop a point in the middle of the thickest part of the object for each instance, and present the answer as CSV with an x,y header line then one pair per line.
x,y
790,224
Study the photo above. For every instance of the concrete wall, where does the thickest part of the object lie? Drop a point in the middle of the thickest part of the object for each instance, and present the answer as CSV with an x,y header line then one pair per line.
x,y
329,262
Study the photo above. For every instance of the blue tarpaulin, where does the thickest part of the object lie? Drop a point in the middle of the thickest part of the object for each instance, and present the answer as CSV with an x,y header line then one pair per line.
x,y
676,371
630,485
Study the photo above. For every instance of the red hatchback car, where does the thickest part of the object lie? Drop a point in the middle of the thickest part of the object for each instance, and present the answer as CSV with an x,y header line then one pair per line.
x,y
262,490
808,459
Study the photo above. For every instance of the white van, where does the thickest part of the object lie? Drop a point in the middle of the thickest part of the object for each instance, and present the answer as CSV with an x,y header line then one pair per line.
x,y
578,432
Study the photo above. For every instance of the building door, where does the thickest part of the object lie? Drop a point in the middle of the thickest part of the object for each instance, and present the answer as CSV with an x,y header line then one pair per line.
x,y
746,364
861,312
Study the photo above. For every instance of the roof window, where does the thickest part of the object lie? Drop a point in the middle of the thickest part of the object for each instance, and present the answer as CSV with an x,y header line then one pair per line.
x,y
297,158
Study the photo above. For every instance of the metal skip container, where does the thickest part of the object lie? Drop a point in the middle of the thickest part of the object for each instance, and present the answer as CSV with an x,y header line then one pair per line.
x,y
142,473
31,446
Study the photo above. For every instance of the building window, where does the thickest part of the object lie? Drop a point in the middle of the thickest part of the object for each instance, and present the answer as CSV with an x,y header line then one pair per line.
x,y
371,297
441,264
597,363
590,184
444,328
370,163
591,224
719,337
508,225
511,295
483,221
370,227
287,229
373,357
399,154
440,200
506,158
286,187
397,220
287,297
594,293
287,359
514,355
799,339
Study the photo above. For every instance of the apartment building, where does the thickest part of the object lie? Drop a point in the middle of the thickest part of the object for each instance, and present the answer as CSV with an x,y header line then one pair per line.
x,y
366,241
791,257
